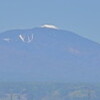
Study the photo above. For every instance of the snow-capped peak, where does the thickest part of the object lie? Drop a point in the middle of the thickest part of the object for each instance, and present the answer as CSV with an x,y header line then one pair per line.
x,y
49,26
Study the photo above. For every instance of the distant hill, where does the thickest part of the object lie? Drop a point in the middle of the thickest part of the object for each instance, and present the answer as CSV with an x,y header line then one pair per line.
x,y
48,54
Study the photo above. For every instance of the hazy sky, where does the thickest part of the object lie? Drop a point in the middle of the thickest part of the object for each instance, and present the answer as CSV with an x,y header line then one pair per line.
x,y
80,16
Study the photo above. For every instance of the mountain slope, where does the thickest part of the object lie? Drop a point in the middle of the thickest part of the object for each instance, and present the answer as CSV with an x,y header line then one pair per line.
x,y
45,54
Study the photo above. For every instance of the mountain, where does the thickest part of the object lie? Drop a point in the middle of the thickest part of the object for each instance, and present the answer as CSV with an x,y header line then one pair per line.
x,y
48,54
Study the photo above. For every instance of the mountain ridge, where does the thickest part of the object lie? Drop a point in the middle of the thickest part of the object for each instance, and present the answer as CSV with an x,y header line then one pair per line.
x,y
23,30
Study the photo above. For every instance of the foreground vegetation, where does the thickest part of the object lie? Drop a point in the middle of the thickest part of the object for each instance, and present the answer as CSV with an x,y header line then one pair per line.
x,y
48,91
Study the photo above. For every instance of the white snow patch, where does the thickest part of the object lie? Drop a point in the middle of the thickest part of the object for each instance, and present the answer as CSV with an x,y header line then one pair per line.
x,y
26,39
7,39
49,26
22,38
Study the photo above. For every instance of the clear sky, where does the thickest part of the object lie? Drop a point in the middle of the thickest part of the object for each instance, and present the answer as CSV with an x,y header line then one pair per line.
x,y
80,16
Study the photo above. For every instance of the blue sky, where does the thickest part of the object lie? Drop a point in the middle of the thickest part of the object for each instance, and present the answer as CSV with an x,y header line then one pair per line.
x,y
80,16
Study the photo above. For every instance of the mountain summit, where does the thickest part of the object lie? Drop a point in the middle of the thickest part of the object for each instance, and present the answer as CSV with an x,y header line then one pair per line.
x,y
48,54
49,26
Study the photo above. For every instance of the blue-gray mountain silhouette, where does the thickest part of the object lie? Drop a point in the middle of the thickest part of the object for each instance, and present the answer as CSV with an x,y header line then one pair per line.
x,y
44,54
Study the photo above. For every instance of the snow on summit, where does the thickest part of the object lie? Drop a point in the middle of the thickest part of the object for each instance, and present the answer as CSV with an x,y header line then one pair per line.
x,y
49,26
